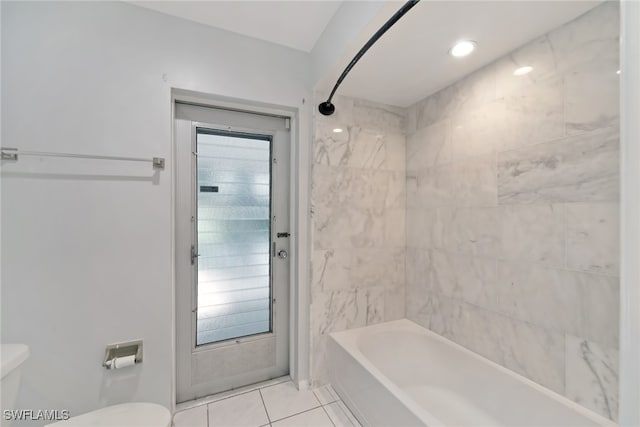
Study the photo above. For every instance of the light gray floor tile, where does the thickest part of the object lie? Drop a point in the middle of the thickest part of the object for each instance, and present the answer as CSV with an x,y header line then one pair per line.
x,y
245,410
285,399
313,418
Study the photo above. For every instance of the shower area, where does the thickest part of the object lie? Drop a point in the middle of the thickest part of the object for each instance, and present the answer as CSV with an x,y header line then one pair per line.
x,y
486,212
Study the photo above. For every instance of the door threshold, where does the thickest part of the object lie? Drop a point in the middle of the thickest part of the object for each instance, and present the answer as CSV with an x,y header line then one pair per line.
x,y
230,393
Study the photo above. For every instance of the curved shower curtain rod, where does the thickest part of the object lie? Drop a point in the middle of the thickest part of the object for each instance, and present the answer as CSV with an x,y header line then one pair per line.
x,y
327,108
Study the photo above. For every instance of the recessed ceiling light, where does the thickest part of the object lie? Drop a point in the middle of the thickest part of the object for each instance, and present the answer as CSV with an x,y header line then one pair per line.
x,y
523,70
463,48
337,130
618,72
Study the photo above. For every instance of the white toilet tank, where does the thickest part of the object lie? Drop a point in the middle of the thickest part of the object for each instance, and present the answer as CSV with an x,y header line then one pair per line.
x,y
12,356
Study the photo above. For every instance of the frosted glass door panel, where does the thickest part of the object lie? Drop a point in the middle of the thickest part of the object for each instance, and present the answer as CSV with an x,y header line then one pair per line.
x,y
233,227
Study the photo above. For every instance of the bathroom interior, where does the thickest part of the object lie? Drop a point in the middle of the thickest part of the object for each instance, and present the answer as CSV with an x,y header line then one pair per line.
x,y
189,237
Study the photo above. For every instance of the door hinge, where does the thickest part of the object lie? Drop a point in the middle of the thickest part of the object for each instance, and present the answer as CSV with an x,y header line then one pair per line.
x,y
194,255
287,123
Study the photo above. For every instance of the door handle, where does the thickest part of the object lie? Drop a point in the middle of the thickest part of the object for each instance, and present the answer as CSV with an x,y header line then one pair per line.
x,y
282,254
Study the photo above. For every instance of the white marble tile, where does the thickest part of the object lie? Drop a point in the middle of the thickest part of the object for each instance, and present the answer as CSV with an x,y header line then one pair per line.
x,y
477,89
592,96
600,309
577,168
480,131
326,394
472,231
374,298
417,286
463,277
347,227
394,302
359,148
395,227
411,124
319,368
376,266
337,311
534,233
394,189
433,187
244,410
592,376
314,418
592,36
284,400
367,149
474,181
565,301
543,296
529,350
330,148
429,146
331,269
593,237
337,415
377,116
533,114
537,54
426,227
336,186
194,417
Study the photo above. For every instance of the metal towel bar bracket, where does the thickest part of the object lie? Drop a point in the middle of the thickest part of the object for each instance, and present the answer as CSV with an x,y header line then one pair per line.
x,y
13,153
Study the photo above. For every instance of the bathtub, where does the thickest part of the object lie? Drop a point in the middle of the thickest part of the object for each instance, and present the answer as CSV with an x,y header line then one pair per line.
x,y
400,374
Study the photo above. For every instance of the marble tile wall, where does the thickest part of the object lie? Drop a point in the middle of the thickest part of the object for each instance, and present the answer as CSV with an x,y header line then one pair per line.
x,y
358,202
512,211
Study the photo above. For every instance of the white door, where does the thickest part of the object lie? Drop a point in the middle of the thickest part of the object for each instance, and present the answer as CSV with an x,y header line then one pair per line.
x,y
232,266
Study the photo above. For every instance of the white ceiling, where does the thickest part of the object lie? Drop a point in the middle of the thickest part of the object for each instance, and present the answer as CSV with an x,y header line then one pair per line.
x,y
296,24
411,60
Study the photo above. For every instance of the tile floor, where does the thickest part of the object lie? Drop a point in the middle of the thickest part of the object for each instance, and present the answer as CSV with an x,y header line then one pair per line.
x,y
274,403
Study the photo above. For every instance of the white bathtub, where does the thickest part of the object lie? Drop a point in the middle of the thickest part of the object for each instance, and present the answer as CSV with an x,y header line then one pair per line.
x,y
400,374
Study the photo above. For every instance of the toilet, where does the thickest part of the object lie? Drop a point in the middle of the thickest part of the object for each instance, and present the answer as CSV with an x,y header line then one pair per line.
x,y
137,414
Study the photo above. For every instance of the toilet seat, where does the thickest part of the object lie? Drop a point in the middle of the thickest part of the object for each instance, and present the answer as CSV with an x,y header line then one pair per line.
x,y
137,414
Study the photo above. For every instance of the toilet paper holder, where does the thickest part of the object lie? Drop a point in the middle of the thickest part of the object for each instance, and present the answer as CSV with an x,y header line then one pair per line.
x,y
122,350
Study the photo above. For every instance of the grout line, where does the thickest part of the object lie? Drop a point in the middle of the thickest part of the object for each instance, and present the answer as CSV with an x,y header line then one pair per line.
x,y
264,406
328,416
207,415
298,413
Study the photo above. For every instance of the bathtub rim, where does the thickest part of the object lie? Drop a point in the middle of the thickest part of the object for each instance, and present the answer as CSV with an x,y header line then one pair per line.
x,y
348,341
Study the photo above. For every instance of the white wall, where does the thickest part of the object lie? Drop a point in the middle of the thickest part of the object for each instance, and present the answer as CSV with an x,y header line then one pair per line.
x,y
86,245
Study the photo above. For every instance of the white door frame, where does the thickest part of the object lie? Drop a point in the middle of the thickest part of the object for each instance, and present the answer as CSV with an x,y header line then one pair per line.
x,y
299,310
629,214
